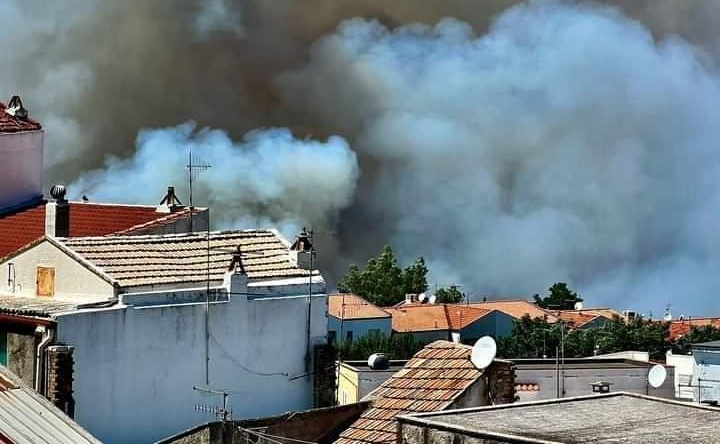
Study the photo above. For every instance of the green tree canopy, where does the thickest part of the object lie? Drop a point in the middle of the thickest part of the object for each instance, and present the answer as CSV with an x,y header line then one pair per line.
x,y
382,281
449,295
559,297
397,346
705,333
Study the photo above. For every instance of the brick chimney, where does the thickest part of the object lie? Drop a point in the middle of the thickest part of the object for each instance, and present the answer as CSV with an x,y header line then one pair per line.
x,y
60,365
57,213
302,252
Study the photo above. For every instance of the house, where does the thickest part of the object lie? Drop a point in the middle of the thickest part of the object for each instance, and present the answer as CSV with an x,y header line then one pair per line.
x,y
450,322
145,319
352,317
681,327
538,379
26,216
586,318
28,418
357,379
608,418
438,377
319,426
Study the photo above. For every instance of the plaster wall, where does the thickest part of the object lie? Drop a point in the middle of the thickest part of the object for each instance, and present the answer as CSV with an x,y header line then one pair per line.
x,y
135,367
706,375
22,158
359,327
684,371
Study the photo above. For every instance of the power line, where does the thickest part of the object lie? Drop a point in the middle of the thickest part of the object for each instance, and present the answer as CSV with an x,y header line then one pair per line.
x,y
239,364
273,438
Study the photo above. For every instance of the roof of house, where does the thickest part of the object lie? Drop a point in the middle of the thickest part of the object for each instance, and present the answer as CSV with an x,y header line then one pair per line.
x,y
12,124
517,308
608,418
710,344
681,327
575,318
176,259
23,226
432,317
28,418
35,307
430,381
351,306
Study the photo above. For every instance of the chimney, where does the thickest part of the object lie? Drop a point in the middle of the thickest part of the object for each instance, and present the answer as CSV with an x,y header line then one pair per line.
x,y
170,202
60,368
302,252
57,213
16,109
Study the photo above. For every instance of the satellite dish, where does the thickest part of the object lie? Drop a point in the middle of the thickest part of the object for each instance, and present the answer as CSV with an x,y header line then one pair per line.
x,y
422,297
657,375
667,317
483,352
578,305
433,298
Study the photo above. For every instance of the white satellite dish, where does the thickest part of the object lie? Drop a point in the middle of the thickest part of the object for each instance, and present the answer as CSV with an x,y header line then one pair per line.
x,y
483,352
657,375
578,305
422,297
433,298
667,317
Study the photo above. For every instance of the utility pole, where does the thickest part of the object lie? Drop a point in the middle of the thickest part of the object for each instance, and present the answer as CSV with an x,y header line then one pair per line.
x,y
308,358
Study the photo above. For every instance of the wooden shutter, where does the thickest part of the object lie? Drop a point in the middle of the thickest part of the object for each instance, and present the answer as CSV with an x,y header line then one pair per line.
x,y
45,283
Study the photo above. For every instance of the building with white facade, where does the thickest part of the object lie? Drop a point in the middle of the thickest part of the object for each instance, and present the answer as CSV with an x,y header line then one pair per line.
x,y
150,317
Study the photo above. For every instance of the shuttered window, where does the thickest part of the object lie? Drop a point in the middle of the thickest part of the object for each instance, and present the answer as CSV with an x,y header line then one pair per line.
x,y
45,281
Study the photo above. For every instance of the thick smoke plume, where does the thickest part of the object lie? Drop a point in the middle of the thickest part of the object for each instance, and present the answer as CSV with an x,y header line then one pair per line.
x,y
554,141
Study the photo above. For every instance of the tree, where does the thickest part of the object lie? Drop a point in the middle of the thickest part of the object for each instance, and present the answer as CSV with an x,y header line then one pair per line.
x,y
397,346
449,295
705,333
382,281
559,297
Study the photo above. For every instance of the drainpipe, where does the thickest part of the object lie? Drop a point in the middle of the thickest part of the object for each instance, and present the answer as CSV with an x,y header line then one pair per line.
x,y
47,334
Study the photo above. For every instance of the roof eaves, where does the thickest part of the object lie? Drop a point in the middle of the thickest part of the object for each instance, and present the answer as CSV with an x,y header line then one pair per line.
x,y
81,259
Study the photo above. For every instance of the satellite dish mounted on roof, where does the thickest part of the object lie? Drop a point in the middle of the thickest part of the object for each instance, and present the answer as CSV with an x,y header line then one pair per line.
x,y
578,305
667,317
483,352
657,375
422,297
432,299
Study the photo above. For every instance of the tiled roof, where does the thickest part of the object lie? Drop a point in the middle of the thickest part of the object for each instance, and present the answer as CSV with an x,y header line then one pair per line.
x,y
183,258
682,327
517,308
27,417
430,317
20,227
350,306
429,382
35,307
12,124
574,318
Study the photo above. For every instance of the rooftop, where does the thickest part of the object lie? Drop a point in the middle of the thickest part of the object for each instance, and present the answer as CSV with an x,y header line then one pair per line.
x,y
681,327
34,307
185,258
28,418
23,226
12,124
429,382
431,317
517,308
710,345
351,306
608,418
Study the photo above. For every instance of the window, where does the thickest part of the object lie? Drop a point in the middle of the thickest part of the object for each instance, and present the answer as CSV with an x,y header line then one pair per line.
x,y
332,336
349,335
3,348
45,282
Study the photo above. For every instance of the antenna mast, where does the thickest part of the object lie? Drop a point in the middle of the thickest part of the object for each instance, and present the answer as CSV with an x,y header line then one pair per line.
x,y
193,169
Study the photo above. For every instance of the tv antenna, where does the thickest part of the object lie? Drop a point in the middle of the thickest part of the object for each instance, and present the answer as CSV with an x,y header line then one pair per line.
x,y
657,375
194,167
483,352
221,412
667,317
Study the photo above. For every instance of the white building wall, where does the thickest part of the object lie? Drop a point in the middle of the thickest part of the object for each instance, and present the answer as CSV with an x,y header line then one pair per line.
x,y
706,376
135,368
73,281
684,370
22,160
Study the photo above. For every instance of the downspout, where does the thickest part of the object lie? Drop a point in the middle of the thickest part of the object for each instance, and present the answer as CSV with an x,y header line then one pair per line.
x,y
48,334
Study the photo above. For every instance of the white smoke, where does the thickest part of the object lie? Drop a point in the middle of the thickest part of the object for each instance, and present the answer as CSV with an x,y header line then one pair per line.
x,y
269,179
217,16
565,144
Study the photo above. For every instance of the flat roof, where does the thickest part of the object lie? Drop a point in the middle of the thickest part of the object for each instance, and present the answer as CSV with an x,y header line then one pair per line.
x,y
363,366
593,362
609,418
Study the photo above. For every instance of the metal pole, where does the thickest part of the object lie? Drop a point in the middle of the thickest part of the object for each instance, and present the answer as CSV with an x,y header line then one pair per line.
x,y
309,314
207,310
557,372
190,173
562,351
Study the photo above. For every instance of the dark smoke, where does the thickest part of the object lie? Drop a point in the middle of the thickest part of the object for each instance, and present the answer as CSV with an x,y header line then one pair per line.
x,y
98,73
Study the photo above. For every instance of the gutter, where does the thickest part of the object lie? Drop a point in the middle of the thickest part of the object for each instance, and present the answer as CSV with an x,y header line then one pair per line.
x,y
47,334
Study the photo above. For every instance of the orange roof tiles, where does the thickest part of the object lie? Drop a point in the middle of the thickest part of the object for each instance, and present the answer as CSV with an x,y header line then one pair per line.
x,y
680,328
431,317
430,381
574,318
351,306
12,124
23,226
517,308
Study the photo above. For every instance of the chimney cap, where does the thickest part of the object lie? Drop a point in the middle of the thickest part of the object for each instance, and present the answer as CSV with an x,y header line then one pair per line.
x,y
58,192
16,109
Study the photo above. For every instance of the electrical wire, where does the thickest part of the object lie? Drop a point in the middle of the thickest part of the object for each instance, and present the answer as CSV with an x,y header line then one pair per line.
x,y
274,438
239,364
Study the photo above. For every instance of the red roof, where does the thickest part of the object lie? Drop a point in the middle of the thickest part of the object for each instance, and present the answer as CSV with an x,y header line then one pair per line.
x,y
21,227
431,317
680,328
12,124
352,306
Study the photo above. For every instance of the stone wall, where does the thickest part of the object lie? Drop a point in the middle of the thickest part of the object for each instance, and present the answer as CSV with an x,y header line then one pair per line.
x,y
60,368
502,382
416,434
21,357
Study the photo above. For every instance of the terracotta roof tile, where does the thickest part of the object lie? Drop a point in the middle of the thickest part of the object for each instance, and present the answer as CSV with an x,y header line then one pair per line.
x,y
427,317
22,226
517,308
12,124
177,259
350,306
682,327
429,382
